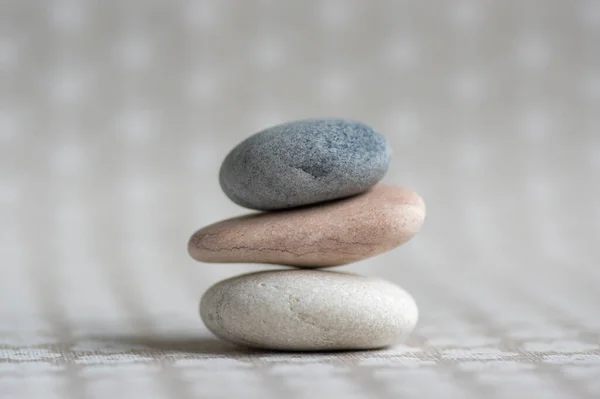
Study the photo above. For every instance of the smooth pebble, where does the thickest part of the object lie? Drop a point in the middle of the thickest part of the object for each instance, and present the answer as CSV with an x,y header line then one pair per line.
x,y
308,310
330,234
304,162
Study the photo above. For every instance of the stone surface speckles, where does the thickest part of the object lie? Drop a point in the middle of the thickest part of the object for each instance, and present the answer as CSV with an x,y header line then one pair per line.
x,y
304,162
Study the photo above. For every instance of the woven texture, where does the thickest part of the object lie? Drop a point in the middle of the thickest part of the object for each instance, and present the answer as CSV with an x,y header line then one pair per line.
x,y
116,115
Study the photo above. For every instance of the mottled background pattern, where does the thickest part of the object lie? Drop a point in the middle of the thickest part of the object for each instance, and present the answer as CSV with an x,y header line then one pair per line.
x,y
116,115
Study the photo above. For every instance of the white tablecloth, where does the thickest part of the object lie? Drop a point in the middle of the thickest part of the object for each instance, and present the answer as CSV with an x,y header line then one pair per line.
x,y
115,116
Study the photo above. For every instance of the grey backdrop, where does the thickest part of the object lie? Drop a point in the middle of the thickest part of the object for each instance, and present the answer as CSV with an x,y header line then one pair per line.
x,y
116,115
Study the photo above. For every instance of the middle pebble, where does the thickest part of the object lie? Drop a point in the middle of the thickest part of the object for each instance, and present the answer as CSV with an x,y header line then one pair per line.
x,y
331,234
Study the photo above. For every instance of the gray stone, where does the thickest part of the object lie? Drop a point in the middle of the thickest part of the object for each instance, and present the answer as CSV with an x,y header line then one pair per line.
x,y
308,310
304,162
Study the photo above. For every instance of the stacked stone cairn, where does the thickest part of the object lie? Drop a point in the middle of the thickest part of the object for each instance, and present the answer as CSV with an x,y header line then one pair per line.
x,y
317,185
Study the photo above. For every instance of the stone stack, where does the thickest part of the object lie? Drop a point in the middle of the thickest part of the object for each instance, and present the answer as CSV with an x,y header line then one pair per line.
x,y
317,183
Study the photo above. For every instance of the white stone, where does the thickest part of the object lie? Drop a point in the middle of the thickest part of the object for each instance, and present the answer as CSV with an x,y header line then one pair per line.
x,y
308,310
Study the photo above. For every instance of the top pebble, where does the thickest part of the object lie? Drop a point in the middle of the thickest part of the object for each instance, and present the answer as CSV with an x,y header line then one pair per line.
x,y
303,163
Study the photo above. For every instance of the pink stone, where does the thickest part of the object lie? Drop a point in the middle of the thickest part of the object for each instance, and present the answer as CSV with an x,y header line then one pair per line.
x,y
330,234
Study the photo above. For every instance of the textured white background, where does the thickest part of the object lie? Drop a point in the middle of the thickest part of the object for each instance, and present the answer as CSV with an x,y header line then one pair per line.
x,y
115,116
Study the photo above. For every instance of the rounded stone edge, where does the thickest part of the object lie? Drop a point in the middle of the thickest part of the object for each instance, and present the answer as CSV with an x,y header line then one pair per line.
x,y
194,244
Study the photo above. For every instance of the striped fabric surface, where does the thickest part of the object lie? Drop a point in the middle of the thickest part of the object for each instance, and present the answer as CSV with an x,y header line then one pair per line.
x,y
116,115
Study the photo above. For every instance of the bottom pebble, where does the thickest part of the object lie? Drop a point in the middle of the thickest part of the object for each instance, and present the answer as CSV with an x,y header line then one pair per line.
x,y
308,310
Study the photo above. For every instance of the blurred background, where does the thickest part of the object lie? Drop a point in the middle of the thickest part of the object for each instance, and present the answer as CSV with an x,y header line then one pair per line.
x,y
116,115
